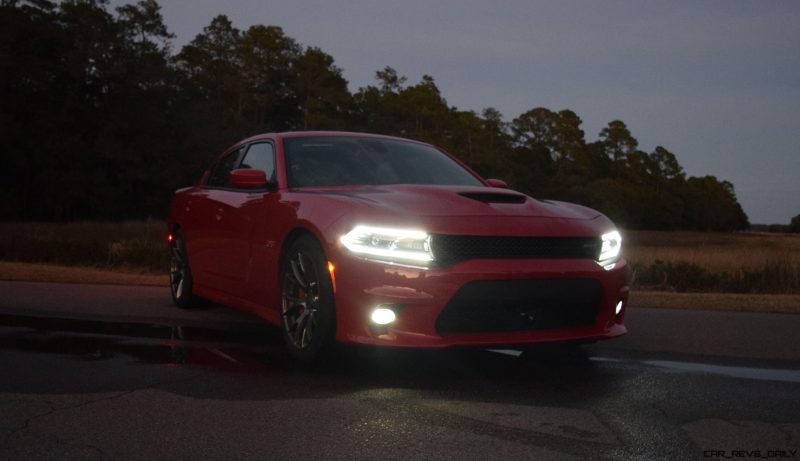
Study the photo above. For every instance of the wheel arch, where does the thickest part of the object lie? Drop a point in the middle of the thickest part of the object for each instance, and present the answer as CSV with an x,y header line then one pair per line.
x,y
296,234
292,236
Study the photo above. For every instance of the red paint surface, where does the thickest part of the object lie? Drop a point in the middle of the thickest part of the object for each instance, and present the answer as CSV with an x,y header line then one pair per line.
x,y
235,238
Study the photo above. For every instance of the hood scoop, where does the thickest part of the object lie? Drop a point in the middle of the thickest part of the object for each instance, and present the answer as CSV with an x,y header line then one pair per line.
x,y
494,197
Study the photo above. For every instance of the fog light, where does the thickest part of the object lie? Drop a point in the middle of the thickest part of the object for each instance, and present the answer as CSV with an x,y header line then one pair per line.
x,y
382,316
618,309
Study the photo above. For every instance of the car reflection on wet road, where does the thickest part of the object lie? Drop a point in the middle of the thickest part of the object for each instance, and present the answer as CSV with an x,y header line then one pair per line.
x,y
86,390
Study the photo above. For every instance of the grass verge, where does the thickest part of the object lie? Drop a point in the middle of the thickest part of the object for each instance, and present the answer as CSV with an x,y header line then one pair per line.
x,y
30,272
777,303
739,302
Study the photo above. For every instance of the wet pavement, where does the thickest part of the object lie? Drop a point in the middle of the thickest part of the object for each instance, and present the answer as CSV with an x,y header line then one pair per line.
x,y
101,389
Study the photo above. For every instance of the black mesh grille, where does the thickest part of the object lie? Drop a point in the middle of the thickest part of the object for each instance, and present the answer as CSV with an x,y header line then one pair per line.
x,y
449,249
487,306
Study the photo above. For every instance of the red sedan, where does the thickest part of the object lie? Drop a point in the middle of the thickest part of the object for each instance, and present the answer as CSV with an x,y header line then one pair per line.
x,y
359,238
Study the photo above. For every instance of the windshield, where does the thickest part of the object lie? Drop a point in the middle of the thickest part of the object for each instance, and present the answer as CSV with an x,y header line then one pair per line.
x,y
351,161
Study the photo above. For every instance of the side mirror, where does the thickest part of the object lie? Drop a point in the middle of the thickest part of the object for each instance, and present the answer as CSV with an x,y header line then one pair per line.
x,y
497,183
248,178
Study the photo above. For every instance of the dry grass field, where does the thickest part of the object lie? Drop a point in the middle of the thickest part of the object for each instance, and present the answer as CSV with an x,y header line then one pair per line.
x,y
698,261
747,263
133,245
716,252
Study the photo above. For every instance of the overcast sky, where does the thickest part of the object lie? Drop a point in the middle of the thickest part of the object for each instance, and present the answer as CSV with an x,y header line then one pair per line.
x,y
715,82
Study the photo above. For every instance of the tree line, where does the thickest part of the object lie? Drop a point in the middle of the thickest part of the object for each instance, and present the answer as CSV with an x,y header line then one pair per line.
x,y
100,118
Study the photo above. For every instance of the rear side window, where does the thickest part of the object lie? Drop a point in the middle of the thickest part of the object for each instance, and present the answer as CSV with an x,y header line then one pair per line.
x,y
221,171
261,156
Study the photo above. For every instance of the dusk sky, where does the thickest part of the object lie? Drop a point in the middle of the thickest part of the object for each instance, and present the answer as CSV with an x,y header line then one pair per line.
x,y
715,82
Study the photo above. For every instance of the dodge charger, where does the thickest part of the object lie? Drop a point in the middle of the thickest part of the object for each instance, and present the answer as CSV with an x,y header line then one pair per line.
x,y
356,238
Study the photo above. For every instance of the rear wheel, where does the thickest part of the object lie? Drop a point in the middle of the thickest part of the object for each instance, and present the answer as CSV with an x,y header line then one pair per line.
x,y
180,274
308,314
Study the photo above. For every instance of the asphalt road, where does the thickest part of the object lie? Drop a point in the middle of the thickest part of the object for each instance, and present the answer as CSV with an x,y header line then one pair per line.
x,y
103,372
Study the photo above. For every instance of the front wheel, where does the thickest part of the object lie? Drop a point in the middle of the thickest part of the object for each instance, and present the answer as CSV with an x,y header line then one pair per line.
x,y
308,313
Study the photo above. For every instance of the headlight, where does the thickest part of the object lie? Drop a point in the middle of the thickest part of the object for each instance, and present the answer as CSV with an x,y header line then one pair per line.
x,y
392,245
609,251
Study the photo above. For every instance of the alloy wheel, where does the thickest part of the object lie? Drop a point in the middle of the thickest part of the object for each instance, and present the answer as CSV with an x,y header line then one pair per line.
x,y
300,300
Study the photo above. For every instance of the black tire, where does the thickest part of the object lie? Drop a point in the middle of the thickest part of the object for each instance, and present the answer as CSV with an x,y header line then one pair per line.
x,y
180,274
308,311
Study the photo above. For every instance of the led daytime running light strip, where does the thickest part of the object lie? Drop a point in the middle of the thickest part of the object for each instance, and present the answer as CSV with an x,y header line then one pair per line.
x,y
364,240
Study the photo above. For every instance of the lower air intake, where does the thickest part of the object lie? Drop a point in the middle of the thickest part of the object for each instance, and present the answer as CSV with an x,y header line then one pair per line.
x,y
489,306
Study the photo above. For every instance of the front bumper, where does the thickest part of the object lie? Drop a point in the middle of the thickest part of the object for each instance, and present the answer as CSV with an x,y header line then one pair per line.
x,y
419,297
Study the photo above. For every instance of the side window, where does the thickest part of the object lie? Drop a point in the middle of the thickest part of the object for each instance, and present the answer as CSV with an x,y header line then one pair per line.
x,y
218,177
261,156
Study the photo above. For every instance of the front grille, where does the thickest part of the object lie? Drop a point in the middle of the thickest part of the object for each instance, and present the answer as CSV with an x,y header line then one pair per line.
x,y
449,249
488,306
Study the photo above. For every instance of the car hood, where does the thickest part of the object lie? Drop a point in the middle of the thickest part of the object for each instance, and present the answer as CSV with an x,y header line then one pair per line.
x,y
449,210
456,201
